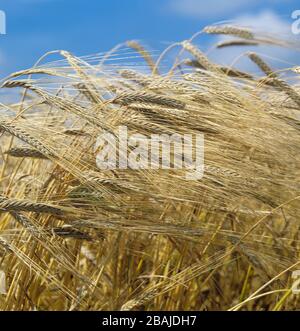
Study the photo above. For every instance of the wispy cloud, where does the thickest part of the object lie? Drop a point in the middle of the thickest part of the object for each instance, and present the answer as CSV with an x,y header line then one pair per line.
x,y
266,22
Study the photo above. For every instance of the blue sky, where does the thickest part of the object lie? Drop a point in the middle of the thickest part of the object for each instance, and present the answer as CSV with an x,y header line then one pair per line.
x,y
90,26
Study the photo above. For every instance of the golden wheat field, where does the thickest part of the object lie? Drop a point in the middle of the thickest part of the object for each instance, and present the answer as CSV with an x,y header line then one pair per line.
x,y
75,237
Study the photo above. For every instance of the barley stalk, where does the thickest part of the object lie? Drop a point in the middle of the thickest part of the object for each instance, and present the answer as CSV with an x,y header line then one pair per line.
x,y
7,204
24,221
199,56
285,87
25,137
229,43
229,30
69,232
127,98
25,152
89,86
5,245
137,46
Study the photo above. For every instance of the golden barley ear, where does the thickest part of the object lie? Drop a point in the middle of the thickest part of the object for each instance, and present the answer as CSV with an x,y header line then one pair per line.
x,y
145,54
281,84
229,30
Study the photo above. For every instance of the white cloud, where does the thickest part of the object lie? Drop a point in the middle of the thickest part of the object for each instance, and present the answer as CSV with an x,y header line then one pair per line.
x,y
266,22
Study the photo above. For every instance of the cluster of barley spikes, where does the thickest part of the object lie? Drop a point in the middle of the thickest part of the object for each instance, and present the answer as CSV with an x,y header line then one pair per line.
x,y
74,237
